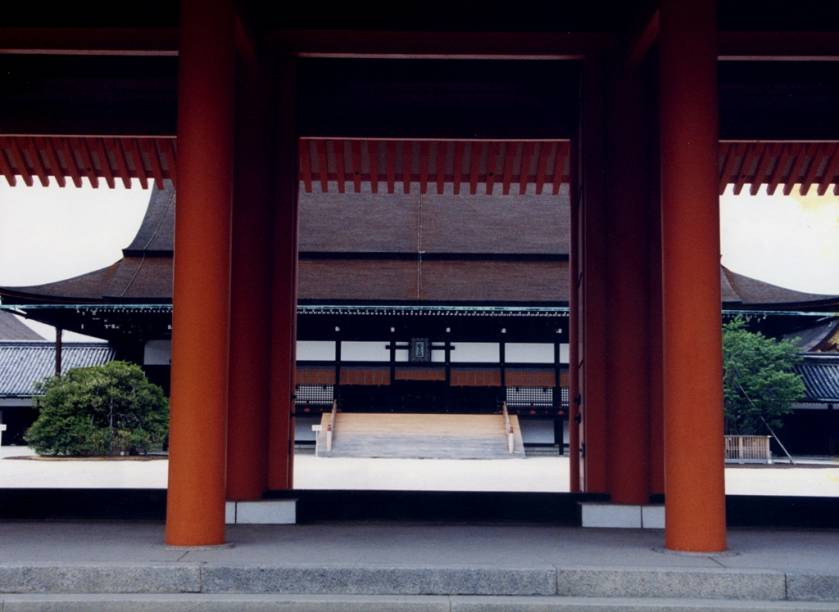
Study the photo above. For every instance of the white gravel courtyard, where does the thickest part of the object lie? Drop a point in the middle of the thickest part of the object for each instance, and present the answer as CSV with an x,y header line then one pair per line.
x,y
310,472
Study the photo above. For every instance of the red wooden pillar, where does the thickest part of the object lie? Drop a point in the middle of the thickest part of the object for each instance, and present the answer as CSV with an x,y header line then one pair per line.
x,y
626,273
575,484
283,286
692,357
592,295
250,308
195,501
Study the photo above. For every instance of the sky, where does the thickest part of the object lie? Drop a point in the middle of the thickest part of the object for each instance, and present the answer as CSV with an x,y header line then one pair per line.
x,y
52,233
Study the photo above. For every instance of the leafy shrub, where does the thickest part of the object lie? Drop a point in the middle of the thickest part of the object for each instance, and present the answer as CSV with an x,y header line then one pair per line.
x,y
760,382
110,409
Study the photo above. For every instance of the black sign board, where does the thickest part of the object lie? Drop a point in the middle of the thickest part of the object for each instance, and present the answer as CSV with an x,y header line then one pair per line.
x,y
420,350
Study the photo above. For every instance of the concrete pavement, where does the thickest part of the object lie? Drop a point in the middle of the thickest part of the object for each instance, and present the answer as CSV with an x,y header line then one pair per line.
x,y
538,567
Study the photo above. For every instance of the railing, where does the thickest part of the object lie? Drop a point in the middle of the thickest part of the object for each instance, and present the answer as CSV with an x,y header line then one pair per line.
x,y
330,426
508,428
748,449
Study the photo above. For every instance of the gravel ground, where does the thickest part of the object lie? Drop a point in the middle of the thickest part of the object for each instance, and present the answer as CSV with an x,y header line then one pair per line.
x,y
310,472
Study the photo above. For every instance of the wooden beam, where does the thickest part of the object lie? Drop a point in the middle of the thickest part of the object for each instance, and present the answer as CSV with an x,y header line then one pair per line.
x,y
373,162
524,170
440,163
168,147
457,171
829,171
105,163
338,148
71,163
492,166
19,161
37,163
47,145
407,164
509,152
305,164
777,177
113,145
423,169
760,176
89,41
390,163
323,167
355,155
5,166
474,165
796,169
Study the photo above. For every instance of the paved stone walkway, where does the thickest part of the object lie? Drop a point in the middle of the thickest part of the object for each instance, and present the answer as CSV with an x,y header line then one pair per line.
x,y
540,567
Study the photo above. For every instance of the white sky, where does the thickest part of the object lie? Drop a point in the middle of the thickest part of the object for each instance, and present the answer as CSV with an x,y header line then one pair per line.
x,y
50,233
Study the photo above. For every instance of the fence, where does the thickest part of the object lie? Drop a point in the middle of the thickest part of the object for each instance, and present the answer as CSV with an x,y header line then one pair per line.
x,y
747,449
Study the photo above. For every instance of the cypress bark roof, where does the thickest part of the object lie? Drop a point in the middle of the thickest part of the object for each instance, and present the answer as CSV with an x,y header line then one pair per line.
x,y
365,247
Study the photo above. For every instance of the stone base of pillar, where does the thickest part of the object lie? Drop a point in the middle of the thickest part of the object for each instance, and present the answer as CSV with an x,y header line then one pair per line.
x,y
261,512
622,516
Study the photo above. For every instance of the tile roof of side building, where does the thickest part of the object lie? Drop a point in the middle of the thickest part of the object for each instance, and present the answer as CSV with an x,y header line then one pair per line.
x,y
22,364
821,377
381,248
11,328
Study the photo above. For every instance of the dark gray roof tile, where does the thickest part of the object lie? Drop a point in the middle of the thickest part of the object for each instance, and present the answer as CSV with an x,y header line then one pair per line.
x,y
22,364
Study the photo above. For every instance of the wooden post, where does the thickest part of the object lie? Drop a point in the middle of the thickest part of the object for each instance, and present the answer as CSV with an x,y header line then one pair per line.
x,y
200,317
250,308
692,365
58,348
283,286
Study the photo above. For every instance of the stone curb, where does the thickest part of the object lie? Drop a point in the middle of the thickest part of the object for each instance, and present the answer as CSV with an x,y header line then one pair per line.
x,y
812,587
380,580
694,583
197,602
588,582
100,578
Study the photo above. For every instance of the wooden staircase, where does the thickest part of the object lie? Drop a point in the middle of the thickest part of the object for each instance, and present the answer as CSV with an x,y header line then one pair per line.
x,y
420,436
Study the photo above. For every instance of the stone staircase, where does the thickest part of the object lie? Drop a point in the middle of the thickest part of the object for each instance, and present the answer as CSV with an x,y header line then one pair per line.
x,y
419,436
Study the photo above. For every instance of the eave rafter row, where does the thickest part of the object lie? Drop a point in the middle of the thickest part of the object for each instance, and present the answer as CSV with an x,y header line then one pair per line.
x,y
473,167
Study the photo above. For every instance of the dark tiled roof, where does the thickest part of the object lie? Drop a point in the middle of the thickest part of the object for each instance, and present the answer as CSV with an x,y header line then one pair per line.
x,y
437,281
810,338
522,238
754,292
12,329
432,223
22,364
157,231
821,377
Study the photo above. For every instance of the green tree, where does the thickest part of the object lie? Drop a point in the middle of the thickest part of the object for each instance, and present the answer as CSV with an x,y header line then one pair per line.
x,y
110,409
760,382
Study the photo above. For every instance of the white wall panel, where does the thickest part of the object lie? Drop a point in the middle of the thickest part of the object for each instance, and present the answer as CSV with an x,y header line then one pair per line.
x,y
315,350
365,351
476,352
528,352
563,353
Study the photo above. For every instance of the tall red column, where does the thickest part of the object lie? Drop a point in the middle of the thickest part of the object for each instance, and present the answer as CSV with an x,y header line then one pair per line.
x,y
250,308
283,286
692,353
575,483
195,501
593,292
627,272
